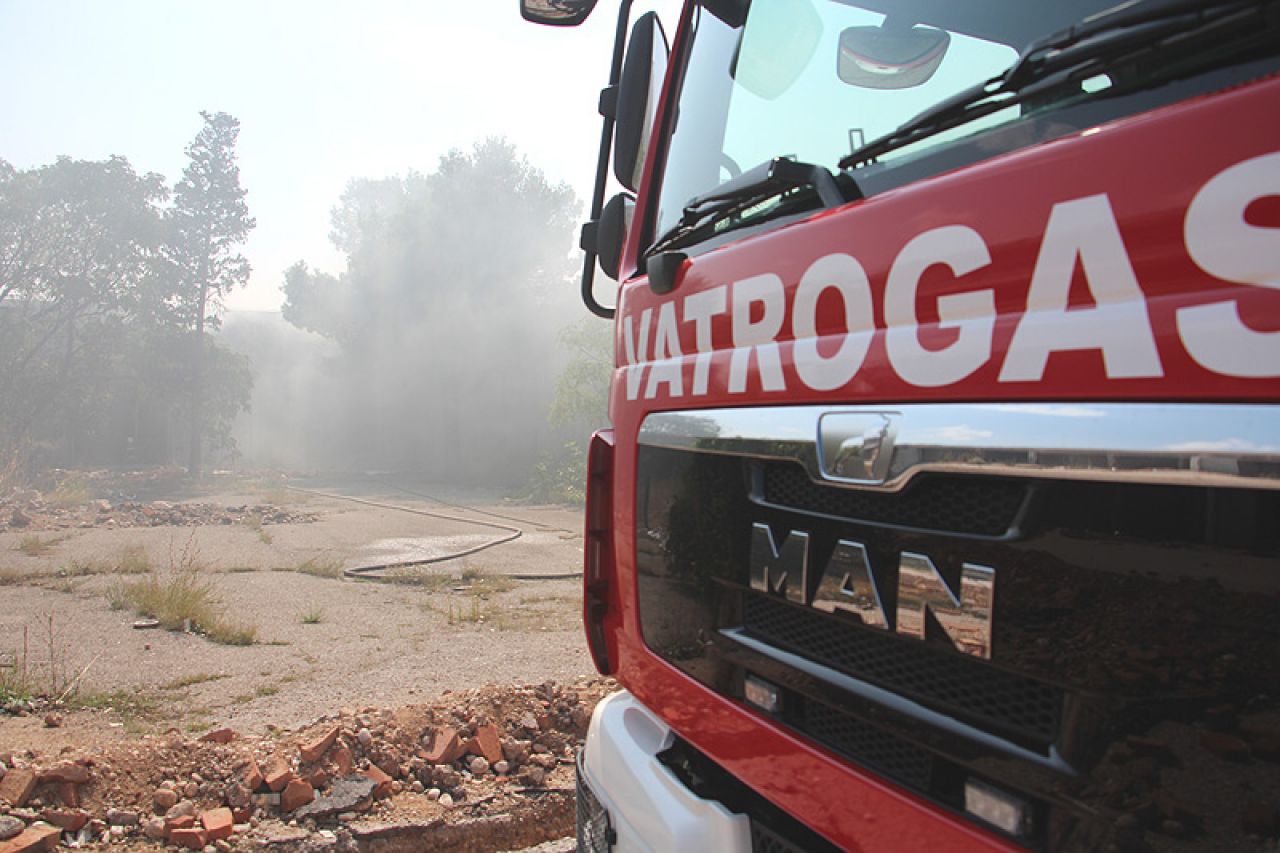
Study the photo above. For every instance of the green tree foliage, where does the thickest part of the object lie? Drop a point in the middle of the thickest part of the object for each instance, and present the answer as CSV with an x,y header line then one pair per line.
x,y
95,321
209,222
455,285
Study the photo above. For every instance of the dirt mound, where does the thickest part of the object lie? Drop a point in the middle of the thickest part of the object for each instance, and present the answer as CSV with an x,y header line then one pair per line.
x,y
484,769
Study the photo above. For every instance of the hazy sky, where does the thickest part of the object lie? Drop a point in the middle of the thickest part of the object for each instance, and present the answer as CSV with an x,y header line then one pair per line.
x,y
325,91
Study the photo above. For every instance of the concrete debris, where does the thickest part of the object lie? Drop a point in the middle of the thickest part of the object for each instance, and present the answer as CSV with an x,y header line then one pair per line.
x,y
351,782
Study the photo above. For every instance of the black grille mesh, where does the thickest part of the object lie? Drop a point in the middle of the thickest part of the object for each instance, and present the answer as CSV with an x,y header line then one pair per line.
x,y
594,833
987,697
765,840
976,506
869,746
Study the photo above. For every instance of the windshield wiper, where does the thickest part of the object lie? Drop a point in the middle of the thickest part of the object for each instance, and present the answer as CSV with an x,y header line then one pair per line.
x,y
1076,53
748,189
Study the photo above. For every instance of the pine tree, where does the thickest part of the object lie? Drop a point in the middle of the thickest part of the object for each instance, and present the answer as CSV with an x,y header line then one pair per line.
x,y
210,221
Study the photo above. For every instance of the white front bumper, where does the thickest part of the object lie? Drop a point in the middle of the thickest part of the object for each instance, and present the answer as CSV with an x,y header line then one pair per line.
x,y
649,808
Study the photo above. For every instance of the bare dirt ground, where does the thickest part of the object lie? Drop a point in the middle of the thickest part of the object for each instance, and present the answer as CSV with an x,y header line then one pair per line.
x,y
322,645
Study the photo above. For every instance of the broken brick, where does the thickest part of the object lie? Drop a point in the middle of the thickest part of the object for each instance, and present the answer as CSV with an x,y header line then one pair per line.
x,y
223,735
251,775
17,785
445,747
277,773
36,837
488,744
217,823
74,773
315,749
69,795
381,781
173,824
297,793
192,838
318,779
67,821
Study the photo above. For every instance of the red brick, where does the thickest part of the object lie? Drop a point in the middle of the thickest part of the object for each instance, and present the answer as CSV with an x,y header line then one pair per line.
x,y
68,772
343,760
298,793
17,785
277,773
69,794
218,823
67,821
173,824
251,775
381,781
489,745
445,747
37,837
315,749
192,838
242,814
223,735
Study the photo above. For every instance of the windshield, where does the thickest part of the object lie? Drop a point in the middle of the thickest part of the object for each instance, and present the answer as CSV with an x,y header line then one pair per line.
x,y
814,79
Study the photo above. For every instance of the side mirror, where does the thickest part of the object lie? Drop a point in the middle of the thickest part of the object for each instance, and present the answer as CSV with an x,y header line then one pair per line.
x,y
879,58
638,91
556,13
611,233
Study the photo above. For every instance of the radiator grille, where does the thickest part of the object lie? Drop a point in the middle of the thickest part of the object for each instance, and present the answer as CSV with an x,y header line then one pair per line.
x,y
978,507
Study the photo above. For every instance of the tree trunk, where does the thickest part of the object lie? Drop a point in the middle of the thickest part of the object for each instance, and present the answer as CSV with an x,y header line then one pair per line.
x,y
194,455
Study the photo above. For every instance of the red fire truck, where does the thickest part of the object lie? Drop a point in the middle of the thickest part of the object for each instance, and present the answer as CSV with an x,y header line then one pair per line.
x,y
941,508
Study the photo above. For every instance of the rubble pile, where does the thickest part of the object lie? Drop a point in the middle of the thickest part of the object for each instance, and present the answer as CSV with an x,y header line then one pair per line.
x,y
29,511
483,769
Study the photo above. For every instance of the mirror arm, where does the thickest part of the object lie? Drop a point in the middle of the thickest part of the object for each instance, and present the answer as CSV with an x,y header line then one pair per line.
x,y
602,164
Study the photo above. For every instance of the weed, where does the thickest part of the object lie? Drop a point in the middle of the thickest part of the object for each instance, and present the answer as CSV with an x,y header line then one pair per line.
x,y
266,690
73,491
311,616
320,567
474,613
35,546
192,680
129,704
181,600
133,560
13,577
254,523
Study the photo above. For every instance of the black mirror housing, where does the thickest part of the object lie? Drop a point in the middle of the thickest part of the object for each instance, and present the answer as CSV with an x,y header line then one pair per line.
x,y
634,112
556,13
611,232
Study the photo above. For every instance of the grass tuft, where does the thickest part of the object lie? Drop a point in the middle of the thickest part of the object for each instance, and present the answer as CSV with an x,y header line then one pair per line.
x,y
320,567
311,616
181,600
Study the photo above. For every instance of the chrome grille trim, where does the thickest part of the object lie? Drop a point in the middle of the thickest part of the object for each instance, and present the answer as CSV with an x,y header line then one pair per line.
x,y
883,447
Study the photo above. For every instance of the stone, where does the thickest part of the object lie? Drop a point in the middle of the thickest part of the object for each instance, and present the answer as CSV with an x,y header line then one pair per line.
x,y
164,799
17,785
502,768
417,787
122,817
315,749
1224,746
38,836
183,808
217,823
52,721
365,737
433,794
478,766
445,748
191,790
297,793
237,795
318,778
446,800
349,794
277,774
10,827
222,735
343,761
153,828
381,781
